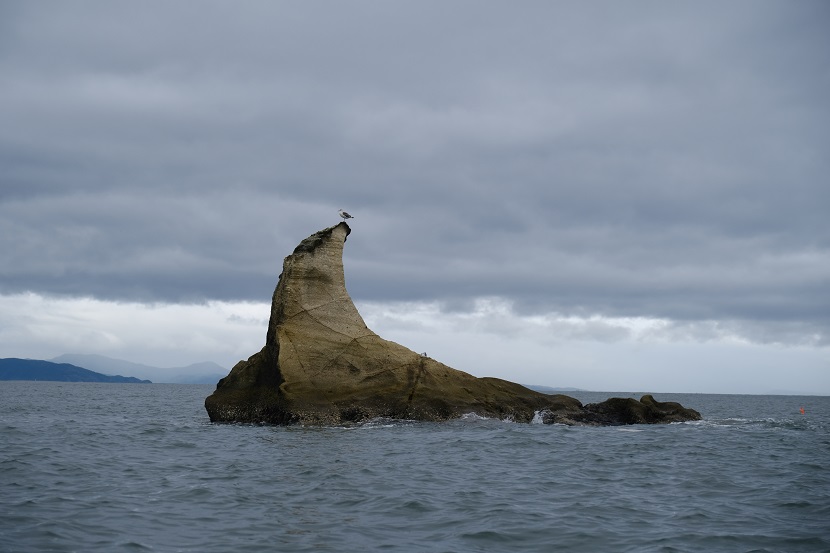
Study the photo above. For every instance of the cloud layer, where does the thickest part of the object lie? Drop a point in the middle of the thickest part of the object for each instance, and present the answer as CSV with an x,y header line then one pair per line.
x,y
604,162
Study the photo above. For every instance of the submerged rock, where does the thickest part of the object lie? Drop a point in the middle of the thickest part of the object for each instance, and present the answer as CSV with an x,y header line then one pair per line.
x,y
322,365
619,411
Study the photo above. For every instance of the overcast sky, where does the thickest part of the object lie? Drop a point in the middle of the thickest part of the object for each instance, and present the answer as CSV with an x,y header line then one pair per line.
x,y
606,195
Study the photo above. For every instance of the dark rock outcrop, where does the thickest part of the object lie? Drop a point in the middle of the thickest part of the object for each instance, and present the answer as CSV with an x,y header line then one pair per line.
x,y
619,411
322,365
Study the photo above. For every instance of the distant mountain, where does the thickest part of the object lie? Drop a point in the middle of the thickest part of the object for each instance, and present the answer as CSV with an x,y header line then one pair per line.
x,y
35,369
198,373
549,390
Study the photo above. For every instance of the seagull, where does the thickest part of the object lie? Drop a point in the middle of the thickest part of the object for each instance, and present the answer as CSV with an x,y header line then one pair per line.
x,y
345,215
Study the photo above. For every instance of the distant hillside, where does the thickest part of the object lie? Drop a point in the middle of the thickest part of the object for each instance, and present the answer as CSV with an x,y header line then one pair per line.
x,y
198,373
34,369
549,390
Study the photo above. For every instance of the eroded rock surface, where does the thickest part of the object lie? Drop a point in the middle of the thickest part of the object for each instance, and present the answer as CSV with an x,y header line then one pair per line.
x,y
322,365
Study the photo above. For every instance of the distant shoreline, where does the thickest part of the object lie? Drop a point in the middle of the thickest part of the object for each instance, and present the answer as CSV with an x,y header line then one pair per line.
x,y
35,370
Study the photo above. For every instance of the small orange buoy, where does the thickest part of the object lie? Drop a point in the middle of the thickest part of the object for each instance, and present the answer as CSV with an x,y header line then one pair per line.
x,y
802,410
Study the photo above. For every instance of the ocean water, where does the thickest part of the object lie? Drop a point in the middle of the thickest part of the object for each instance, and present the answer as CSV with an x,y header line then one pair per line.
x,y
128,467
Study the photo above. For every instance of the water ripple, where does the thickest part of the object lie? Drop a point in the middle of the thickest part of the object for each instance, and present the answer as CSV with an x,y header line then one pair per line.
x,y
133,468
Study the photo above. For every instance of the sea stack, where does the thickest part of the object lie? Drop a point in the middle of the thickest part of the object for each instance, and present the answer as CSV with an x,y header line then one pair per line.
x,y
321,365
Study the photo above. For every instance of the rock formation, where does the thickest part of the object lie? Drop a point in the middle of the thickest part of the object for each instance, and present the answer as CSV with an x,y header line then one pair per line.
x,y
321,365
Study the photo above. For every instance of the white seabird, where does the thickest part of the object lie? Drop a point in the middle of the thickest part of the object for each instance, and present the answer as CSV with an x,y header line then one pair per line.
x,y
345,215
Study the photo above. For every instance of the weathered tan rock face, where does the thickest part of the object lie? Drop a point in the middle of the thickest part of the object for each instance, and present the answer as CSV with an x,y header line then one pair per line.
x,y
322,365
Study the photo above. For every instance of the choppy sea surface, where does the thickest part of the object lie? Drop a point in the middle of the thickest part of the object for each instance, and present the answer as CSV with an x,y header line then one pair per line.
x,y
128,467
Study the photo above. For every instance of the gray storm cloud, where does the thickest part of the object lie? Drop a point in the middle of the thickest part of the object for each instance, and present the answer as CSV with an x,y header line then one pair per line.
x,y
639,159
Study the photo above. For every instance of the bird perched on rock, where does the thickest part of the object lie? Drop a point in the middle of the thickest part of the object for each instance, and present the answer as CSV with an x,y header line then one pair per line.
x,y
345,215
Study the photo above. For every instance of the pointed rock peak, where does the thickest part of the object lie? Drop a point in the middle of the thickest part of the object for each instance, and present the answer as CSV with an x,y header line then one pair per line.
x,y
338,232
312,287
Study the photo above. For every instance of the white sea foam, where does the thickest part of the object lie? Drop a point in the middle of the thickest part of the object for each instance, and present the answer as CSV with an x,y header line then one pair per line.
x,y
472,417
